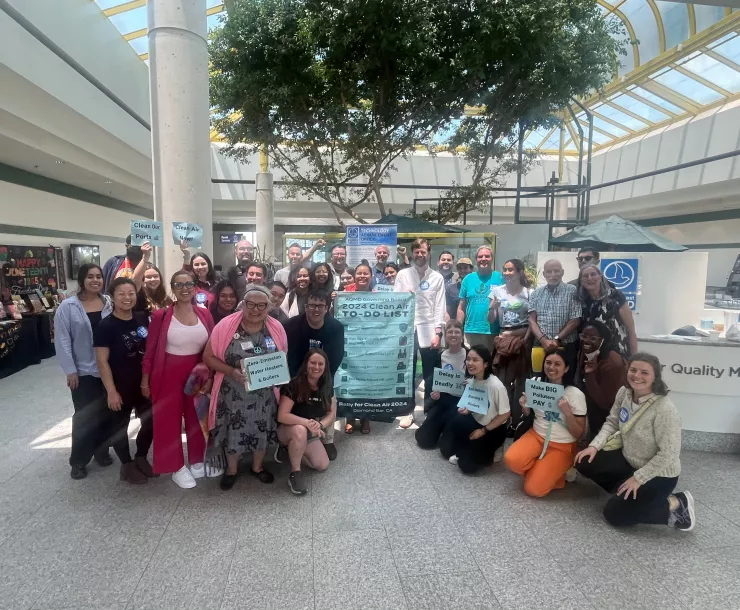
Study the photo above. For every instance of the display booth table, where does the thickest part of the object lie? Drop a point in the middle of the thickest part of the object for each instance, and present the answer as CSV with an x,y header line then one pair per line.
x,y
26,342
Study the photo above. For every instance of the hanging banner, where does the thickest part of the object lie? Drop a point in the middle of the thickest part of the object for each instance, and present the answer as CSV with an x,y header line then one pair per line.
x,y
363,239
189,232
375,378
147,230
26,268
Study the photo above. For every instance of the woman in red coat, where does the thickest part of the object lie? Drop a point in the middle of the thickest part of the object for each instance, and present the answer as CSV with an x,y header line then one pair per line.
x,y
177,336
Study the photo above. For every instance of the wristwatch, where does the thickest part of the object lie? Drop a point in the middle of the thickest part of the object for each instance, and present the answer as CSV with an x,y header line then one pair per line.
x,y
556,338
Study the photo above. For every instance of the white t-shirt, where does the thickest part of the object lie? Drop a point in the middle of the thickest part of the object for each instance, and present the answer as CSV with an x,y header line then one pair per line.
x,y
453,362
498,399
513,310
560,432
186,340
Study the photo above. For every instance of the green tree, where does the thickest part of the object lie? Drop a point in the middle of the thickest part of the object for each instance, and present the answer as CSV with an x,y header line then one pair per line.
x,y
338,90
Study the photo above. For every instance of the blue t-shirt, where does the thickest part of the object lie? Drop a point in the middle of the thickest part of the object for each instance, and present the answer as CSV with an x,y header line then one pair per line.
x,y
475,291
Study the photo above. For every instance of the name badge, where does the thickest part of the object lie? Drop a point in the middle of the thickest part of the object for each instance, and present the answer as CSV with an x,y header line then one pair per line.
x,y
270,344
142,332
247,345
424,285
624,414
201,298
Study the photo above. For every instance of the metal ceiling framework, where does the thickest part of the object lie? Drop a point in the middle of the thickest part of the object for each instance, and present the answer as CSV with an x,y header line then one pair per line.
x,y
683,59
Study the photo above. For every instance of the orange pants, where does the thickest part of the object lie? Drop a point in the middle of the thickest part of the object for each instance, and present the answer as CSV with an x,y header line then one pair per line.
x,y
540,476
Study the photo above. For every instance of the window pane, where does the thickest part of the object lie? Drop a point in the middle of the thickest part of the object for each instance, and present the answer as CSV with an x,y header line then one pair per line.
x,y
707,15
675,22
130,21
646,30
688,87
643,110
622,118
715,72
658,101
730,49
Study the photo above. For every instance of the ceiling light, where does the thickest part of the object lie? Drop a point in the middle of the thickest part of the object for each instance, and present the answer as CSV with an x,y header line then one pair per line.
x,y
108,182
59,162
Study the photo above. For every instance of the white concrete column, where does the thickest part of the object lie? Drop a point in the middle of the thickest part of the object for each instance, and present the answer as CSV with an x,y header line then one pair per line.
x,y
178,85
265,208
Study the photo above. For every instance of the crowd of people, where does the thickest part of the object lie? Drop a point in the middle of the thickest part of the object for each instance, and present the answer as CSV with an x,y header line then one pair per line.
x,y
128,345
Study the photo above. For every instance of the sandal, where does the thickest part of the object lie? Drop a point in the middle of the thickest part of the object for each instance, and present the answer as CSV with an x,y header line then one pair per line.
x,y
349,427
365,426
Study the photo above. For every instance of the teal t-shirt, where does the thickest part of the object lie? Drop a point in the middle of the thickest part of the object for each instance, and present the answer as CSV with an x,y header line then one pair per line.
x,y
475,291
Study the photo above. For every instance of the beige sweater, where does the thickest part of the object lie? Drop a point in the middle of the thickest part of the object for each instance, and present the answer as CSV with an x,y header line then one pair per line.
x,y
653,444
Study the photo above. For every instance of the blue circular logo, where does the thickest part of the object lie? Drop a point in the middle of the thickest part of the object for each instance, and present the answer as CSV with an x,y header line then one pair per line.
x,y
624,414
447,367
619,273
142,332
424,285
201,297
353,232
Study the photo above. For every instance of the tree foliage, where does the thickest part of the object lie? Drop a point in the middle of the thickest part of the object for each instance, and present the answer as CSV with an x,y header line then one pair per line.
x,y
338,90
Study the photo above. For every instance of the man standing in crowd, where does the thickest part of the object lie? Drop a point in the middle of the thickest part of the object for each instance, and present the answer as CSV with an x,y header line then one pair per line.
x,y
554,315
474,303
587,256
296,257
452,290
277,296
122,266
316,329
338,262
237,275
429,287
381,258
256,274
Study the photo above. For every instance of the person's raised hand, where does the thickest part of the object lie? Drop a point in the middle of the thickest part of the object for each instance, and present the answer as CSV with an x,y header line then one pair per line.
x,y
320,243
588,452
185,248
146,250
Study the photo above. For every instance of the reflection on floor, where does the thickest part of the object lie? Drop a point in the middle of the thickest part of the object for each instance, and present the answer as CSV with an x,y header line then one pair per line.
x,y
387,526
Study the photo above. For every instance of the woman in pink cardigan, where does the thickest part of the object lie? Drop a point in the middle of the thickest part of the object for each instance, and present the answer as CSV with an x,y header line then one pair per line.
x,y
243,421
177,336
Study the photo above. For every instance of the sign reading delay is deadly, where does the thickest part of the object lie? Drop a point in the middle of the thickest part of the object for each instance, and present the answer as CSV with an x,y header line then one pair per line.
x,y
266,371
147,230
451,382
544,396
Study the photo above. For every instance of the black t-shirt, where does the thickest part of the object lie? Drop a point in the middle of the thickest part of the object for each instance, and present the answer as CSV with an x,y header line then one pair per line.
x,y
313,408
126,342
95,317
301,338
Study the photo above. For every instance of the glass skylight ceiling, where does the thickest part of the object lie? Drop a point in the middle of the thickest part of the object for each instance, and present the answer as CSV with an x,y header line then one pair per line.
x,y
656,85
129,17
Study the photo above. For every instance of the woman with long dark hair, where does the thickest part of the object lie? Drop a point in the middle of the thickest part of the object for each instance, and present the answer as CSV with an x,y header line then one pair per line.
x,y
201,267
120,343
600,374
74,323
307,409
322,277
608,305
636,454
363,278
224,302
177,336
469,439
544,454
299,282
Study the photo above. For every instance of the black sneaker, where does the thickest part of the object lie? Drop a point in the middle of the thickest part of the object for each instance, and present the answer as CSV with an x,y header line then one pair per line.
x,y
684,517
331,451
281,453
78,472
263,475
227,481
297,483
104,459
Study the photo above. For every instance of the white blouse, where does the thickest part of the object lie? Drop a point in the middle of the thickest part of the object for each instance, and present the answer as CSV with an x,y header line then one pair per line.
x,y
185,340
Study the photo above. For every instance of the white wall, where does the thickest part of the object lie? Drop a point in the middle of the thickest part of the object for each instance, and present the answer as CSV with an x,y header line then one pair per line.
x,y
671,286
26,207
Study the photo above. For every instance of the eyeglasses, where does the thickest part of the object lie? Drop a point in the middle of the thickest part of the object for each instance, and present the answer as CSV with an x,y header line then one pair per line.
x,y
181,285
584,259
587,338
316,306
258,306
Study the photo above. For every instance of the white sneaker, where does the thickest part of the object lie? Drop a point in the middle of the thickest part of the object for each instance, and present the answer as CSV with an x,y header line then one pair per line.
x,y
499,455
571,475
407,421
198,470
183,478
213,473
453,460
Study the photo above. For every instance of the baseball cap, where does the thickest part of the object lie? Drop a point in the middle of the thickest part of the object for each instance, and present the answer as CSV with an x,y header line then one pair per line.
x,y
464,261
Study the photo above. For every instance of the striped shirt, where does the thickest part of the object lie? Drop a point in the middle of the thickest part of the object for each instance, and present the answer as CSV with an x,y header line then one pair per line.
x,y
555,307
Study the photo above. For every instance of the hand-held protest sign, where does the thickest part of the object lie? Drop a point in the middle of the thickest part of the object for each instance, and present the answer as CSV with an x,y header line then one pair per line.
x,y
451,382
474,399
543,396
147,230
265,371
189,232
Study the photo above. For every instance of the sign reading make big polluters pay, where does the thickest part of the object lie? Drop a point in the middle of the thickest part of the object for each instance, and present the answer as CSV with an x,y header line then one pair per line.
x,y
622,272
376,378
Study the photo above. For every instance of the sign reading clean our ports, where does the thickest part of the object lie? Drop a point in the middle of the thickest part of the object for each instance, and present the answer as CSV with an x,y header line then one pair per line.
x,y
147,231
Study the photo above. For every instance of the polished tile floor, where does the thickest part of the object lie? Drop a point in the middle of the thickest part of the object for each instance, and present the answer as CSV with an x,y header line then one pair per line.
x,y
387,526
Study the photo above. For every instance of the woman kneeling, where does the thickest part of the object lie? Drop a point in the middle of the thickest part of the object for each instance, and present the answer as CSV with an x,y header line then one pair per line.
x,y
545,453
470,440
636,453
307,408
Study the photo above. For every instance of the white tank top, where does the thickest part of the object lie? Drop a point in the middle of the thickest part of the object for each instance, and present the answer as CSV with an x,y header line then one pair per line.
x,y
186,340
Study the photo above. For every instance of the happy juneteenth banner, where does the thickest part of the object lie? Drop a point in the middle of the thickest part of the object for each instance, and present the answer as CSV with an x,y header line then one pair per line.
x,y
376,379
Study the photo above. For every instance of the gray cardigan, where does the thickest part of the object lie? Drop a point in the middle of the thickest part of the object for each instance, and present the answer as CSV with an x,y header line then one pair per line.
x,y
653,443
73,337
